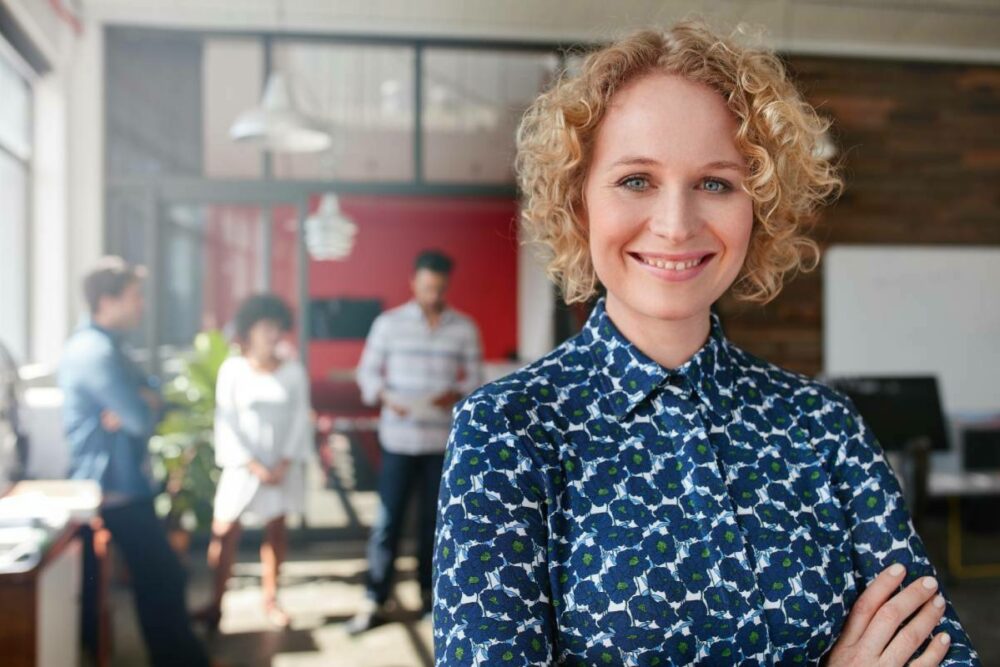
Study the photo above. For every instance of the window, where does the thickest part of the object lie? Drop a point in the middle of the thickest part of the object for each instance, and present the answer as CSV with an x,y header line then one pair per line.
x,y
232,79
15,173
365,94
473,102
153,108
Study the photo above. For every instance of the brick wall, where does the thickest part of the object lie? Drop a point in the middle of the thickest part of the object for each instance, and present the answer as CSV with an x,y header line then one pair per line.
x,y
921,150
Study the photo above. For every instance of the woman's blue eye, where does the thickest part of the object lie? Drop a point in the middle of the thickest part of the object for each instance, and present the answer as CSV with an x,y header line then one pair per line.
x,y
714,185
637,183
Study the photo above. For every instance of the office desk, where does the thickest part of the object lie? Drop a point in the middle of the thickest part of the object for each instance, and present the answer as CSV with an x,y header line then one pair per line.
x,y
41,571
40,606
954,486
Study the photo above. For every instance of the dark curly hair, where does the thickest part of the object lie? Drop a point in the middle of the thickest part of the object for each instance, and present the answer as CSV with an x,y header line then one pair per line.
x,y
262,307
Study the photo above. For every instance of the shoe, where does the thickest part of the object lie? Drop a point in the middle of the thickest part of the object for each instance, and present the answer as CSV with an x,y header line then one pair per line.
x,y
367,618
210,616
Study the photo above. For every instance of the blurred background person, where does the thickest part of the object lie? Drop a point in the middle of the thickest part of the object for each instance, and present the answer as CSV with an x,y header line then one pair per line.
x,y
419,360
110,410
263,435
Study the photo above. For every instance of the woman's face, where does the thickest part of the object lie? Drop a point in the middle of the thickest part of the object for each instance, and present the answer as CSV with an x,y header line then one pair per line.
x,y
669,224
263,338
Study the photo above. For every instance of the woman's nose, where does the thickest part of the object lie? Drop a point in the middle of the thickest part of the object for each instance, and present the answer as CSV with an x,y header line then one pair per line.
x,y
674,217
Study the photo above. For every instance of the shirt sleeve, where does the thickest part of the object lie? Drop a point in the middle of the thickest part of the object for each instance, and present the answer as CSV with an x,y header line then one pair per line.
x,y
300,435
371,368
231,449
492,600
881,530
113,386
472,363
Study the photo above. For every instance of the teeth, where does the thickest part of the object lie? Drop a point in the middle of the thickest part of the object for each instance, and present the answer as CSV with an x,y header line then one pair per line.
x,y
674,266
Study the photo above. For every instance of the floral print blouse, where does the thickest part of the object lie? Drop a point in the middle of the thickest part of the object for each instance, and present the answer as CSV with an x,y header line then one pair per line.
x,y
600,509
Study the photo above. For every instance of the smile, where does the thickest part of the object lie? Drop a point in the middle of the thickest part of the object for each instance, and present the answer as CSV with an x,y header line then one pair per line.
x,y
679,270
672,266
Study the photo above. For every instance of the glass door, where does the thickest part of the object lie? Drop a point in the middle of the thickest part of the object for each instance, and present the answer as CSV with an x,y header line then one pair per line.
x,y
213,256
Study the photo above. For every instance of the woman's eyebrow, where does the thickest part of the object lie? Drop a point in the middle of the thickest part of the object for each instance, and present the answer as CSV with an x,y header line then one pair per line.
x,y
725,164
634,160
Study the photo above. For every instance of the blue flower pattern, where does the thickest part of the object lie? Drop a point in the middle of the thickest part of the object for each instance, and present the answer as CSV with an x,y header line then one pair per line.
x,y
600,509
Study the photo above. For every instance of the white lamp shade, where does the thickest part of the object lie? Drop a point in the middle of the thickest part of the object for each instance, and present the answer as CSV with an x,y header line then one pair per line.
x,y
278,125
329,234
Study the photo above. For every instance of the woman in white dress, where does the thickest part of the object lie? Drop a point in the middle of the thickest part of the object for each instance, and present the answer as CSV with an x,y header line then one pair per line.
x,y
263,436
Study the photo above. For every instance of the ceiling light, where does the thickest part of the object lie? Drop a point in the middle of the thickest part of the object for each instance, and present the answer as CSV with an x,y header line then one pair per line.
x,y
278,125
329,234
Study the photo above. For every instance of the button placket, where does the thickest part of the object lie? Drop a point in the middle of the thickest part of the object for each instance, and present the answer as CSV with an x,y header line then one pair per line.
x,y
709,473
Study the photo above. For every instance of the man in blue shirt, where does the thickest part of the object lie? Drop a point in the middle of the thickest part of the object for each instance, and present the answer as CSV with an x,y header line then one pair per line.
x,y
110,410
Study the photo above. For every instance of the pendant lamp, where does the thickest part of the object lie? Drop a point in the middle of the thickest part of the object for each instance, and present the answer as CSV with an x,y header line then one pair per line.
x,y
278,125
329,234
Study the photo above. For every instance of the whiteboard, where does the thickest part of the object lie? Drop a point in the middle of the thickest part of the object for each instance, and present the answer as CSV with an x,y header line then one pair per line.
x,y
906,310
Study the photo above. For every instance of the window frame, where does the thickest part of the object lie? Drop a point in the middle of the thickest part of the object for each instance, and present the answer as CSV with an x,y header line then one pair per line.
x,y
12,59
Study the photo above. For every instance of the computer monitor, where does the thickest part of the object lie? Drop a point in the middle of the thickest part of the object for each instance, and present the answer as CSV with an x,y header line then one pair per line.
x,y
981,448
899,410
342,318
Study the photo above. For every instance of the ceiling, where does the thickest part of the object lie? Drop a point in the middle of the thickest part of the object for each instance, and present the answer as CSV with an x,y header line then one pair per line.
x,y
963,30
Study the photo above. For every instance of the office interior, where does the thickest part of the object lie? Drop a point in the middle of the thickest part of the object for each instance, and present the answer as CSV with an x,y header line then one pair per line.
x,y
119,135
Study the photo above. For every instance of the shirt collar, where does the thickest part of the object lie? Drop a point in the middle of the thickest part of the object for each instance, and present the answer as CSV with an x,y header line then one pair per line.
x,y
114,335
630,376
415,311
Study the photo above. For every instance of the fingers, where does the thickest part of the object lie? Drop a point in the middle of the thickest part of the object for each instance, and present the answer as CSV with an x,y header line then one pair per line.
x,y
870,601
913,634
888,619
936,650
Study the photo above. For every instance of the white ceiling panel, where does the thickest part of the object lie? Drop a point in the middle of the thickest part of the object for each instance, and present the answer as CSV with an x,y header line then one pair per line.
x,y
961,29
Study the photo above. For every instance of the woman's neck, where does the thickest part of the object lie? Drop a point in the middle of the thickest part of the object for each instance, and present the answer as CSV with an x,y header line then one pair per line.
x,y
669,343
263,361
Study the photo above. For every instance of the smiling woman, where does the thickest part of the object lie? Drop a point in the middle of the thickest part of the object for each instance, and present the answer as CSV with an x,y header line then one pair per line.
x,y
667,217
648,493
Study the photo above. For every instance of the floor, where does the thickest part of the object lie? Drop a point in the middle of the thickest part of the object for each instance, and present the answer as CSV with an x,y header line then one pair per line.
x,y
322,586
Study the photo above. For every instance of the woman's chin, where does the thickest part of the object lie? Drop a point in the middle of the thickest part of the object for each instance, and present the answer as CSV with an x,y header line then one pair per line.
x,y
666,305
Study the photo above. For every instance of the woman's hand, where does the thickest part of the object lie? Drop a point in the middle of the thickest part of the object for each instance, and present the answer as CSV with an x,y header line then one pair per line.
x,y
870,634
261,472
279,471
270,476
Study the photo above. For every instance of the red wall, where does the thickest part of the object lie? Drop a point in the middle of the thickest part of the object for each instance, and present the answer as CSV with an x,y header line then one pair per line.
x,y
479,234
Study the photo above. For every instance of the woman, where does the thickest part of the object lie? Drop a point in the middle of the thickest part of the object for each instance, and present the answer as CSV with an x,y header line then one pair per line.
x,y
648,493
262,439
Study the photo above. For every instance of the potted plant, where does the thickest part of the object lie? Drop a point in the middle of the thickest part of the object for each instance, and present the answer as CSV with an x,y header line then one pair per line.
x,y
182,451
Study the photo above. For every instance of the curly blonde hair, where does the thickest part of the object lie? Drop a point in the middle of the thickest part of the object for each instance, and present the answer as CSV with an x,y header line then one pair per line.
x,y
779,135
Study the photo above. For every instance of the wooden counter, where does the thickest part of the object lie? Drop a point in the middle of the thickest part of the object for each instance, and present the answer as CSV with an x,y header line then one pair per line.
x,y
40,607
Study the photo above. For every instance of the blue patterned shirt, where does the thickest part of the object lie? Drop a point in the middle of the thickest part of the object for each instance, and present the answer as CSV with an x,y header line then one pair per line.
x,y
600,509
